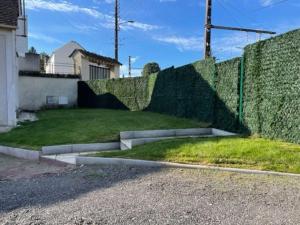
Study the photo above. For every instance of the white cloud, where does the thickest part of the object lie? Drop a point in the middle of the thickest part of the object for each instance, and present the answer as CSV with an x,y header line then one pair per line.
x,y
222,47
183,43
266,2
68,7
134,59
134,72
44,38
167,0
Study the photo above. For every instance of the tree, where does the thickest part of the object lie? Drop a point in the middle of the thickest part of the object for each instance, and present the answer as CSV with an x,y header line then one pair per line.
x,y
150,68
44,57
32,50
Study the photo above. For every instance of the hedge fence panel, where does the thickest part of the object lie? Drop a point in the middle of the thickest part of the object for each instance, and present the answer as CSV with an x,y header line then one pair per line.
x,y
134,93
272,87
227,90
210,92
186,91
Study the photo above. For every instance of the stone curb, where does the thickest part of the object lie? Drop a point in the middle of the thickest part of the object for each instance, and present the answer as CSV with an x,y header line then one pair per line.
x,y
77,148
165,133
20,153
144,163
139,137
129,139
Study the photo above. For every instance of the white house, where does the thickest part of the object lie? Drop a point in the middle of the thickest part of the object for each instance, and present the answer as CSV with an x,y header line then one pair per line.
x,y
13,43
60,62
92,66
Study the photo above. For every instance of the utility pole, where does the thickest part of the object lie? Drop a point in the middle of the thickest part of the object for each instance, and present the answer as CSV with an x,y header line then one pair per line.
x,y
129,67
207,34
117,30
209,26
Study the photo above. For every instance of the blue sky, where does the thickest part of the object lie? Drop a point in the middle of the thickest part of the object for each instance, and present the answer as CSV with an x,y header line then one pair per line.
x,y
169,32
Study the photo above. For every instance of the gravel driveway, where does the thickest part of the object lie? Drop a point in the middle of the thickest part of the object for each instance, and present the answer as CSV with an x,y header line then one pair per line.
x,y
123,195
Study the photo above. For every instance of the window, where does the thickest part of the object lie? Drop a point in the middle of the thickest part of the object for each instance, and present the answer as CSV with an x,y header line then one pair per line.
x,y
97,73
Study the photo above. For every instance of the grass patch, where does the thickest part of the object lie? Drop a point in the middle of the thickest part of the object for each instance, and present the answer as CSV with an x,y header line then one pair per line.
x,y
73,126
251,153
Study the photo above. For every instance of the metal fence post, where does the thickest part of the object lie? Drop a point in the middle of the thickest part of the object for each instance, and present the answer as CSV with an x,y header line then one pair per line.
x,y
242,74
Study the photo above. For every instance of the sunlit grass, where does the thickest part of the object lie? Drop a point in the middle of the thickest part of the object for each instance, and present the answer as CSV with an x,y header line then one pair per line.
x,y
252,153
72,126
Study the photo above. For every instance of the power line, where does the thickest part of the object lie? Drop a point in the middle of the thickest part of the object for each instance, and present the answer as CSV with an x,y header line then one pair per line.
x,y
270,5
227,9
240,10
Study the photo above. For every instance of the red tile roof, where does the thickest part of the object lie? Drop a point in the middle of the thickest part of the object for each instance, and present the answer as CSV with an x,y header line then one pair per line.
x,y
9,12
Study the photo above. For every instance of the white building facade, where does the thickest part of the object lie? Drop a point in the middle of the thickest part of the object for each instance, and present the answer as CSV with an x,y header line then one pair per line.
x,y
60,62
13,43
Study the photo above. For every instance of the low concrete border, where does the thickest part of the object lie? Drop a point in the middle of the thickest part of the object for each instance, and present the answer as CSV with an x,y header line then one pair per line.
x,y
129,139
20,153
164,133
76,148
144,163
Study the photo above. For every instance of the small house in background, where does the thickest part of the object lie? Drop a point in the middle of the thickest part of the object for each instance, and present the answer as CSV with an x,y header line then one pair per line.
x,y
92,66
60,62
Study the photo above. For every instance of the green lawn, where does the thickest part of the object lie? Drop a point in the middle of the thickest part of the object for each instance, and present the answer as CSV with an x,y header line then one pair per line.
x,y
251,153
87,126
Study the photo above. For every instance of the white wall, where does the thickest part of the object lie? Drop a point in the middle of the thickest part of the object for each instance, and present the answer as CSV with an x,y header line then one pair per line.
x,y
60,62
33,91
8,78
22,36
31,62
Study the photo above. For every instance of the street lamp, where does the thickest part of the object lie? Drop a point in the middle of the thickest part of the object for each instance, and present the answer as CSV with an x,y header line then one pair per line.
x,y
117,28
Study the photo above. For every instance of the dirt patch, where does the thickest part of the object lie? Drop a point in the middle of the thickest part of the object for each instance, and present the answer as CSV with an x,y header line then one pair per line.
x,y
13,168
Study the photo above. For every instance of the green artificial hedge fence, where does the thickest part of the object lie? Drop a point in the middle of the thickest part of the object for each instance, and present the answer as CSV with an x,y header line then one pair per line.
x,y
227,95
210,91
134,93
186,91
272,87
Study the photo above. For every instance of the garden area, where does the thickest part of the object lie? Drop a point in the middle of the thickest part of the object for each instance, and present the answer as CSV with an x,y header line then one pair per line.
x,y
76,126
82,126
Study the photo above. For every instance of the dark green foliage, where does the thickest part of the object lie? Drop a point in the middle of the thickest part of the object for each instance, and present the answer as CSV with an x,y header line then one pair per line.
x,y
32,50
150,68
134,93
186,91
227,89
272,87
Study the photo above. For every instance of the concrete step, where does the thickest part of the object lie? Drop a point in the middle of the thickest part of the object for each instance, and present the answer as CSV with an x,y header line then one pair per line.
x,y
78,148
128,144
165,133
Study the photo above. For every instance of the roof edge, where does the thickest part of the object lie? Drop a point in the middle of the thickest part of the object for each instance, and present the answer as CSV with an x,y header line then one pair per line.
x,y
8,26
84,51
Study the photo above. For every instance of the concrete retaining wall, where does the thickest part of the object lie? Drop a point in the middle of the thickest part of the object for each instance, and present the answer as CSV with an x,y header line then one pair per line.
x,y
129,139
164,133
20,153
63,149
